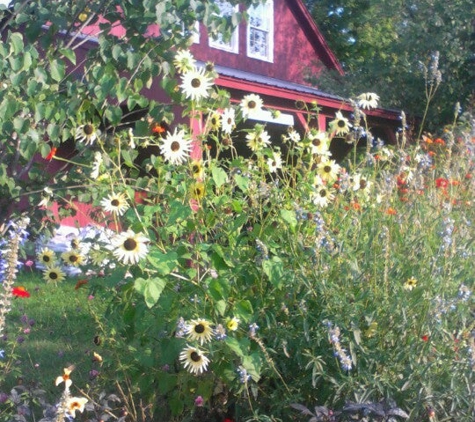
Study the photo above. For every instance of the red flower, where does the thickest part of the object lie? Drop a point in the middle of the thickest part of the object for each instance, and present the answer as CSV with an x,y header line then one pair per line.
x,y
439,141
425,337
158,129
228,420
441,182
20,291
52,153
80,283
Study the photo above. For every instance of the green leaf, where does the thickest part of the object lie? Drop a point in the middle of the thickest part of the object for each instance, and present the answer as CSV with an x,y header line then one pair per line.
x,y
164,263
243,310
289,217
219,176
242,182
150,288
253,365
16,43
274,269
238,347
57,70
69,54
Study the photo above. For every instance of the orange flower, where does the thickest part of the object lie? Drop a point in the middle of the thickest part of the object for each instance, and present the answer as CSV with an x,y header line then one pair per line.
x,y
20,291
158,129
391,211
439,141
52,153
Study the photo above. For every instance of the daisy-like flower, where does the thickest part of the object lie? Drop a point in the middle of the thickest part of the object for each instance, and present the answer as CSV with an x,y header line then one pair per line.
x,y
197,190
214,122
274,162
257,139
73,258
228,120
54,274
184,61
195,84
319,143
233,324
46,257
130,247
293,136
115,203
65,378
96,165
328,170
194,360
368,100
75,403
87,133
341,125
199,330
360,183
251,105
323,196
176,147
410,283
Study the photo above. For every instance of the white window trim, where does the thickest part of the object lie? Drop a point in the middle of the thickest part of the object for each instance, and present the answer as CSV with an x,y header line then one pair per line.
x,y
270,57
233,46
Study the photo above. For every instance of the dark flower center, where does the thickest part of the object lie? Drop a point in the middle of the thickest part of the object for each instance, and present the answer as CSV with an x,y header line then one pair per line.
x,y
88,129
46,258
115,202
214,121
341,123
316,142
195,83
327,169
196,169
195,357
252,104
199,328
323,193
362,184
230,120
73,258
53,275
130,244
175,146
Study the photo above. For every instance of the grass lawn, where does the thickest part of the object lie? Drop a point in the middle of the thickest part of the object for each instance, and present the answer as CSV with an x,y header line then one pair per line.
x,y
51,330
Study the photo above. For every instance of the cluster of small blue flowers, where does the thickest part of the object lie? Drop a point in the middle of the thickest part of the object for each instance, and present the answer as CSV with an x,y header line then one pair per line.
x,y
181,328
446,233
17,231
244,377
444,306
340,353
253,329
220,332
263,252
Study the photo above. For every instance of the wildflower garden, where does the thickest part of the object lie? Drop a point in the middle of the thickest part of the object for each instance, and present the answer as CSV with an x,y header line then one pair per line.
x,y
277,286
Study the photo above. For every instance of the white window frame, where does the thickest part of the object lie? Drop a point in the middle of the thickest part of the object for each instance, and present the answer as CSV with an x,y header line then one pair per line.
x,y
233,45
269,13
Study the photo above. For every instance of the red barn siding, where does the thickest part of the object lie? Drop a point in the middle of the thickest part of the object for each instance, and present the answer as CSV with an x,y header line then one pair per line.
x,y
295,53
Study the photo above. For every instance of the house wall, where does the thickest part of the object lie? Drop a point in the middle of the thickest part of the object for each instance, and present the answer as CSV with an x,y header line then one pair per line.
x,y
294,54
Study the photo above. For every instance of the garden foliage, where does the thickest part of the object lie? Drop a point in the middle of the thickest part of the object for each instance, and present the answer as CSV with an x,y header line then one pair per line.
x,y
244,287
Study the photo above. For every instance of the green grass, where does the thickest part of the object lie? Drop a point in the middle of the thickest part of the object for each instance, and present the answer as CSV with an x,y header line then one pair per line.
x,y
62,334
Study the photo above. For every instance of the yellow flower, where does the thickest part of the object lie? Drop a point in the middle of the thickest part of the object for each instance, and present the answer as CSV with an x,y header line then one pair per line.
x,y
233,324
53,274
197,190
46,257
410,283
72,258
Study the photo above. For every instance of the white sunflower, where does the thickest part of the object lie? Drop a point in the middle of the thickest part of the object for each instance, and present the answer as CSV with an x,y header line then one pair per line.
x,y
184,61
340,125
46,257
194,360
115,203
274,162
130,247
257,139
73,258
87,133
328,170
199,330
54,274
251,105
228,120
368,100
319,143
195,84
176,147
323,196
